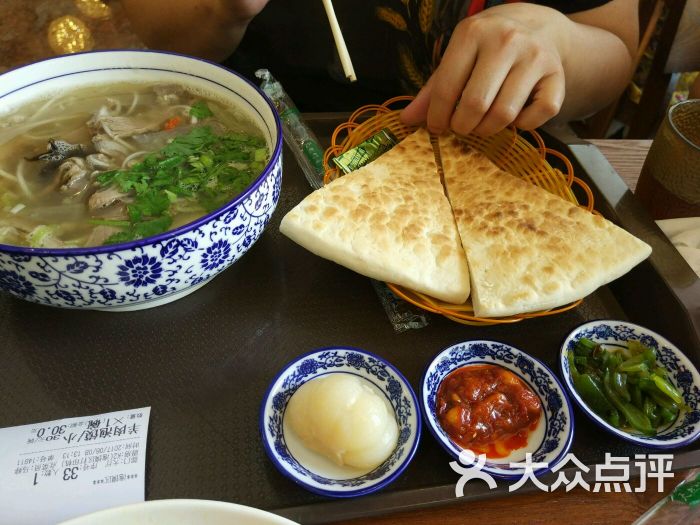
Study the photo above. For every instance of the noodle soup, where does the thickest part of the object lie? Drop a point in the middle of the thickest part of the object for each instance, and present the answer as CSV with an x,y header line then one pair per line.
x,y
118,163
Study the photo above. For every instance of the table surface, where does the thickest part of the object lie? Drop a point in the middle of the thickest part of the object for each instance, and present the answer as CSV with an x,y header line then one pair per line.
x,y
579,506
626,156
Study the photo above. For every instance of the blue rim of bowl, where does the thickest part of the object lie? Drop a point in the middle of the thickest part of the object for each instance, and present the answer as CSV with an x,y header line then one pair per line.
x,y
94,250
630,438
350,493
485,468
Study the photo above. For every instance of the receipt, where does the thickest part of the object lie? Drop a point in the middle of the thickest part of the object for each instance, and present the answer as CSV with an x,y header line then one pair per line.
x,y
53,471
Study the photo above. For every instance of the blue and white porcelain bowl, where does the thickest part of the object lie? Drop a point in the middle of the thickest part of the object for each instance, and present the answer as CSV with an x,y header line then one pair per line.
x,y
310,470
548,444
683,375
158,269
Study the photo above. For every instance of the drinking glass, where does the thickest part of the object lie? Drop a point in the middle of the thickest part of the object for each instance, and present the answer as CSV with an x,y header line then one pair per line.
x,y
669,184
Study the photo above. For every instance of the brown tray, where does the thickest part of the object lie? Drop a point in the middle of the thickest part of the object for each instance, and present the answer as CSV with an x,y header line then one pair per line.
x,y
204,362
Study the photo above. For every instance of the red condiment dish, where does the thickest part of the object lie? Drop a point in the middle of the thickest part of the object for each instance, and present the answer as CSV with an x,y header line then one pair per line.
x,y
492,399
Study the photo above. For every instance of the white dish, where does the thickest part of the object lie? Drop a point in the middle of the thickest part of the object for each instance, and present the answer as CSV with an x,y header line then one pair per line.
x,y
181,512
682,373
548,443
311,470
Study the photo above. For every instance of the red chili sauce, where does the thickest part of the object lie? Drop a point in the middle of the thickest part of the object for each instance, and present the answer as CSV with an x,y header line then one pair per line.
x,y
487,409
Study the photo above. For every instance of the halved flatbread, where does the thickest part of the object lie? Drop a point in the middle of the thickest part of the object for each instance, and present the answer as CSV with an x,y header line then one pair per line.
x,y
389,220
528,249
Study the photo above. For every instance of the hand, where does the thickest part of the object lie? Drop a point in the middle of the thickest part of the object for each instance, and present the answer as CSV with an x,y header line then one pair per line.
x,y
501,67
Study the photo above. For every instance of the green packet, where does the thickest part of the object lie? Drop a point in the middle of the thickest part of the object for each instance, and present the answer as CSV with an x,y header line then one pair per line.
x,y
366,152
679,507
688,492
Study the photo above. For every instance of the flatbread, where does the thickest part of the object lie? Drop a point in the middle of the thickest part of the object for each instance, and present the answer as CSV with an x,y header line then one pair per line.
x,y
389,220
528,249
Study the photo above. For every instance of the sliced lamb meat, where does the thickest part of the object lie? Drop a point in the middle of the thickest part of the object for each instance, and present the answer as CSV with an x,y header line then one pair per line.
x,y
74,175
107,197
108,146
100,161
157,139
121,127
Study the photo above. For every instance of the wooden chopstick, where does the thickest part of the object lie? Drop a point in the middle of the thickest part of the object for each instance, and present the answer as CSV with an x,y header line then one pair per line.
x,y
340,42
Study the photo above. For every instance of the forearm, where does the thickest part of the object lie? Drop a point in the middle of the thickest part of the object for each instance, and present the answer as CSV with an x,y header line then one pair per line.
x,y
209,29
597,67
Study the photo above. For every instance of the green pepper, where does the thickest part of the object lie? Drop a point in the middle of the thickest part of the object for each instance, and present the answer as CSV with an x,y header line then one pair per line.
x,y
667,416
614,418
637,398
650,355
581,362
663,401
613,361
646,384
637,368
635,347
667,388
584,347
589,388
635,417
651,410
572,364
659,371
632,363
593,395
619,383
626,385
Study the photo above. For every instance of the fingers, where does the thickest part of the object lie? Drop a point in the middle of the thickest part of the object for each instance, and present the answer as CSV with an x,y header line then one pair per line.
x,y
516,90
547,100
493,74
489,74
449,80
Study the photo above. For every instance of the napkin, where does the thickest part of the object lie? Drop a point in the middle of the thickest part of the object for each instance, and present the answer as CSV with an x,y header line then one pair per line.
x,y
685,235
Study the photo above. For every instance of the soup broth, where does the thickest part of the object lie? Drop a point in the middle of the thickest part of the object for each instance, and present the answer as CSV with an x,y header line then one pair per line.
x,y
118,163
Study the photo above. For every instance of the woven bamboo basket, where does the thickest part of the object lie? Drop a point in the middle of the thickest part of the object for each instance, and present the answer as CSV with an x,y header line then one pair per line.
x,y
508,150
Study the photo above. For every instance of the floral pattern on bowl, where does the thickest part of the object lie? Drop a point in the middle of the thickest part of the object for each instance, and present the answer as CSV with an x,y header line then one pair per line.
x,y
553,443
683,374
159,269
345,360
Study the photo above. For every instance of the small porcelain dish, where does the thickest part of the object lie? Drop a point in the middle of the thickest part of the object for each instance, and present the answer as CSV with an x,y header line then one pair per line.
x,y
313,471
162,268
180,512
548,443
682,373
